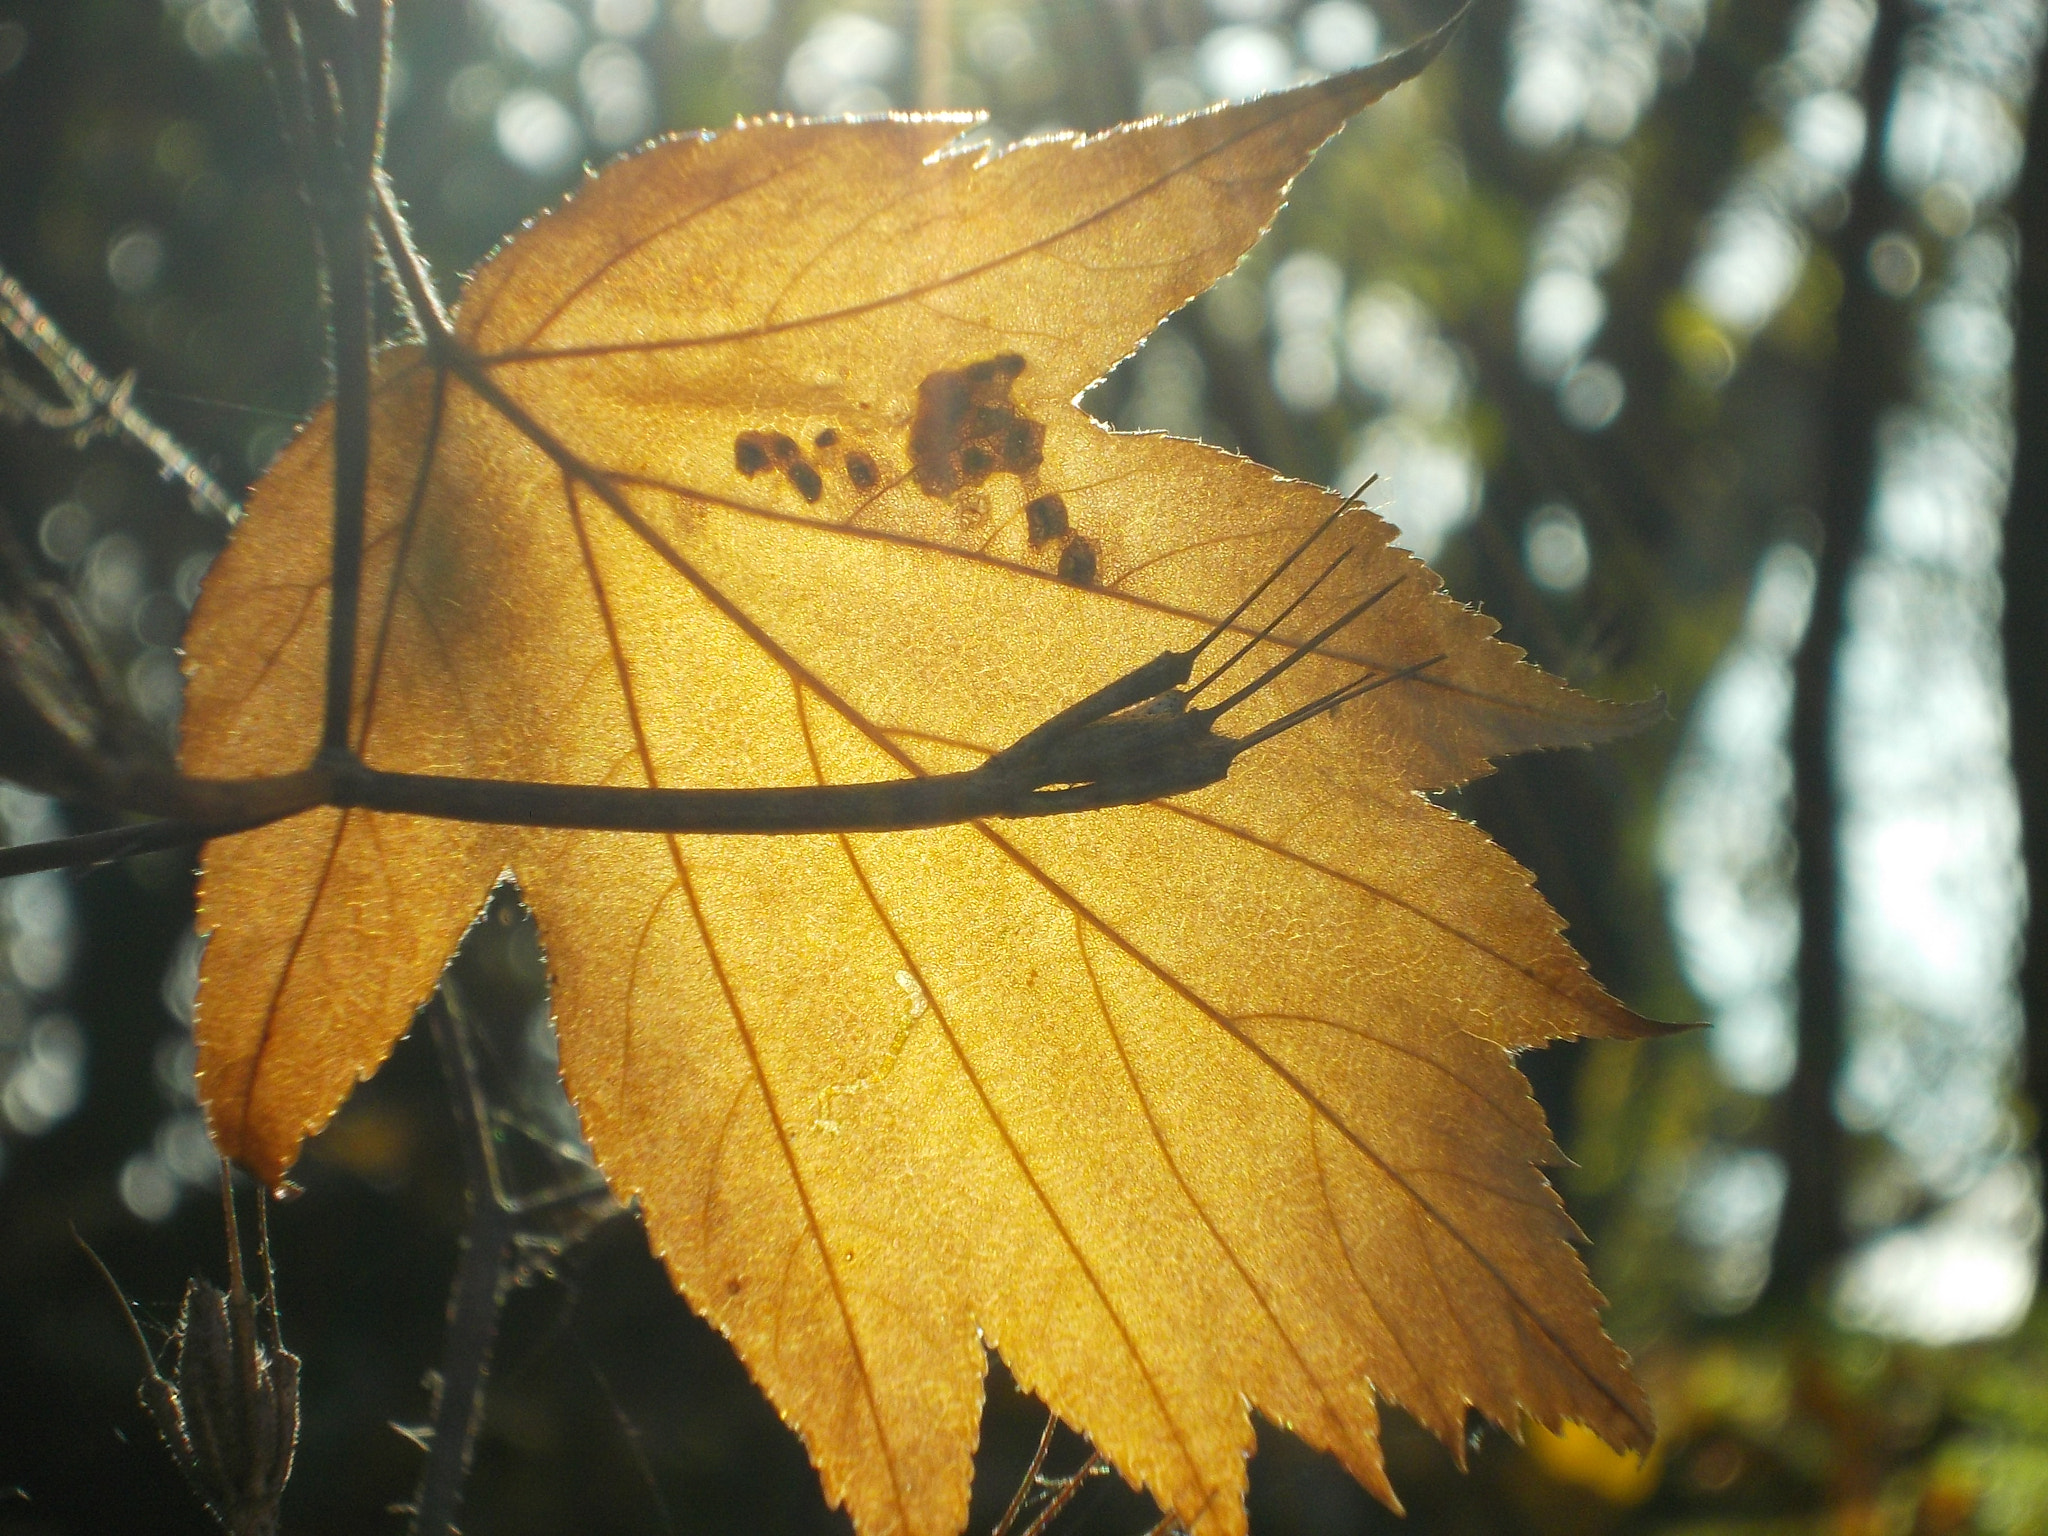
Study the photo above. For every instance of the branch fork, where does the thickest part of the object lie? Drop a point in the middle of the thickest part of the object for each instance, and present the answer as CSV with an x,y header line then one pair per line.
x,y
1145,736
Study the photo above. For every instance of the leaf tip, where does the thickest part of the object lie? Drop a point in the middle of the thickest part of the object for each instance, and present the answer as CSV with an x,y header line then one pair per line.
x,y
1375,80
1641,715
1630,1025
1604,720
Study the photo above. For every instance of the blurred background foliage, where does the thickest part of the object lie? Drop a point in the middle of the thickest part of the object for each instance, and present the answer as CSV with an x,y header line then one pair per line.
x,y
1618,302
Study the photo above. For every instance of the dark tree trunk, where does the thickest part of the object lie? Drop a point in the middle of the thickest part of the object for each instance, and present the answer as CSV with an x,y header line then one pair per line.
x,y
1863,379
2026,581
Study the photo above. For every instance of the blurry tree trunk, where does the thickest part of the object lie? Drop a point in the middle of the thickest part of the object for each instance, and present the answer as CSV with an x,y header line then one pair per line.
x,y
1862,380
2026,587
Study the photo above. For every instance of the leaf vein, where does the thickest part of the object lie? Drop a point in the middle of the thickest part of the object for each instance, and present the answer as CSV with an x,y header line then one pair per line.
x,y
1334,1420
1564,1348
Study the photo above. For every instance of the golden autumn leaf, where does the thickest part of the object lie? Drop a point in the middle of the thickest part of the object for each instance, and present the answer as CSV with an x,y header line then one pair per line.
x,y
758,465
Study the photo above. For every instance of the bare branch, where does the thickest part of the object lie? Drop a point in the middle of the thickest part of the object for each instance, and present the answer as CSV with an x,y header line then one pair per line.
x,y
1135,740
96,406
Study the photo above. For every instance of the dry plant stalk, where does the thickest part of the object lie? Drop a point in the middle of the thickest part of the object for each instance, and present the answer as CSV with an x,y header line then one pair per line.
x,y
229,1410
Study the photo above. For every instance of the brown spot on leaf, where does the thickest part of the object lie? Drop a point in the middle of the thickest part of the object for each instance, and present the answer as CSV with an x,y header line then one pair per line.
x,y
753,452
825,438
861,470
1077,563
808,482
967,427
1045,519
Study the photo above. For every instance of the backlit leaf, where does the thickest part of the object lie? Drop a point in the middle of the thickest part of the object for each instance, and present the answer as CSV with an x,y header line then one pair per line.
x,y
768,473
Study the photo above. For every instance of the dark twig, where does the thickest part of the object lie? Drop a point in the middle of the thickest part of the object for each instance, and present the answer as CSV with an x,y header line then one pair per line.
x,y
90,848
1133,741
483,1277
1044,1498
635,1443
408,269
1137,739
1031,1474
509,1237
335,63
284,56
66,727
329,66
95,405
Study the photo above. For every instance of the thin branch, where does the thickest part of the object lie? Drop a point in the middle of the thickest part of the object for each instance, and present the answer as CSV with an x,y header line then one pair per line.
x,y
483,1276
891,805
97,405
1029,1484
1062,1491
409,270
345,91
348,269
58,619
1132,741
1050,1496
285,58
90,848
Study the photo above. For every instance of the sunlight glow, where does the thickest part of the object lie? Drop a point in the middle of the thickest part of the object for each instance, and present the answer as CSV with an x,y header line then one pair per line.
x,y
1337,35
537,133
1395,353
1593,65
1430,480
1582,234
842,66
1237,62
1931,823
1305,295
541,32
1555,550
1730,1213
1933,888
618,95
1754,246
1725,845
1967,1274
735,21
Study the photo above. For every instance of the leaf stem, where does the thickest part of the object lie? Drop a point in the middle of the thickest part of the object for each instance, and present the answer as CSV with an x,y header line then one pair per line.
x,y
409,268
